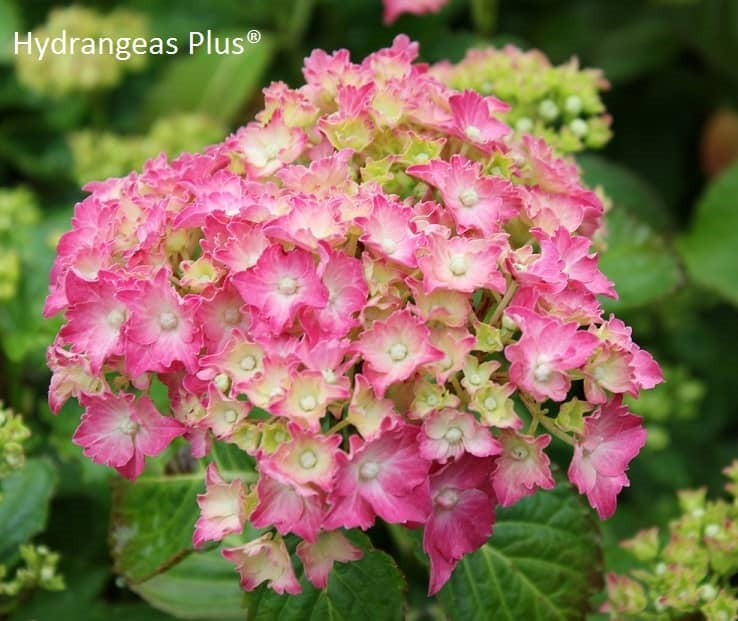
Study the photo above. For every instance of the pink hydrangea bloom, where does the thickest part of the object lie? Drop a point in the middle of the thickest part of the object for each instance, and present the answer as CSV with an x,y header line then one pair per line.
x,y
318,557
394,349
547,350
612,438
385,477
222,508
264,560
449,434
117,432
362,289
522,467
462,517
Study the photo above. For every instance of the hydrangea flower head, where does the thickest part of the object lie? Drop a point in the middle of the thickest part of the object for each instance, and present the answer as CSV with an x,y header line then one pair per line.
x,y
379,290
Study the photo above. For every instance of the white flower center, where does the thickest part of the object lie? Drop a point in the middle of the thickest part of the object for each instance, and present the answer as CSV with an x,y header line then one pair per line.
x,y
453,435
469,197
230,415
115,318
308,403
222,381
248,363
389,245
473,132
448,498
542,369
458,264
287,285
308,459
369,470
490,403
520,453
129,427
475,379
231,316
168,320
398,352
432,400
280,436
422,157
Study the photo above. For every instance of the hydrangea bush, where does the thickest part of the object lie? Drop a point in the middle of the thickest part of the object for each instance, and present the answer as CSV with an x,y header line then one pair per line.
x,y
378,291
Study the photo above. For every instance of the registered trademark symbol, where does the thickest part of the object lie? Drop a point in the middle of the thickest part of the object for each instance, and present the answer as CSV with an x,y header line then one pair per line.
x,y
253,36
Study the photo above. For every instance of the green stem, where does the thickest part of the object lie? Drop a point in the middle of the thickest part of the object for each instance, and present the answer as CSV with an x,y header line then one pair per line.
x,y
511,288
538,416
338,426
484,16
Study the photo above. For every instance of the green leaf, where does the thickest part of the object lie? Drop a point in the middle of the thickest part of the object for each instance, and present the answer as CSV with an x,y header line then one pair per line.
x,y
218,86
542,563
203,586
636,48
152,524
626,189
25,506
709,247
369,589
638,261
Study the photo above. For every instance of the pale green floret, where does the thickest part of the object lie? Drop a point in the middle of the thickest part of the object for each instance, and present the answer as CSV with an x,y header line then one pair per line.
x,y
579,127
524,125
548,109
573,105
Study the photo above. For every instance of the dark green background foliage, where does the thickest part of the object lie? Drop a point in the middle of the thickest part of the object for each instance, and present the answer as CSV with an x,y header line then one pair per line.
x,y
673,253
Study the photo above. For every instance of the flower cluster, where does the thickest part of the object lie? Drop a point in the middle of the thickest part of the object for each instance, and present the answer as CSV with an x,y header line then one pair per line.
x,y
379,292
18,213
12,435
560,103
688,571
99,154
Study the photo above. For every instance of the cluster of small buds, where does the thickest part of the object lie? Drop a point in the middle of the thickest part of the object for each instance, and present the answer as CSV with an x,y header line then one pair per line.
x,y
12,435
102,154
560,103
18,212
371,289
689,572
57,74
39,571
